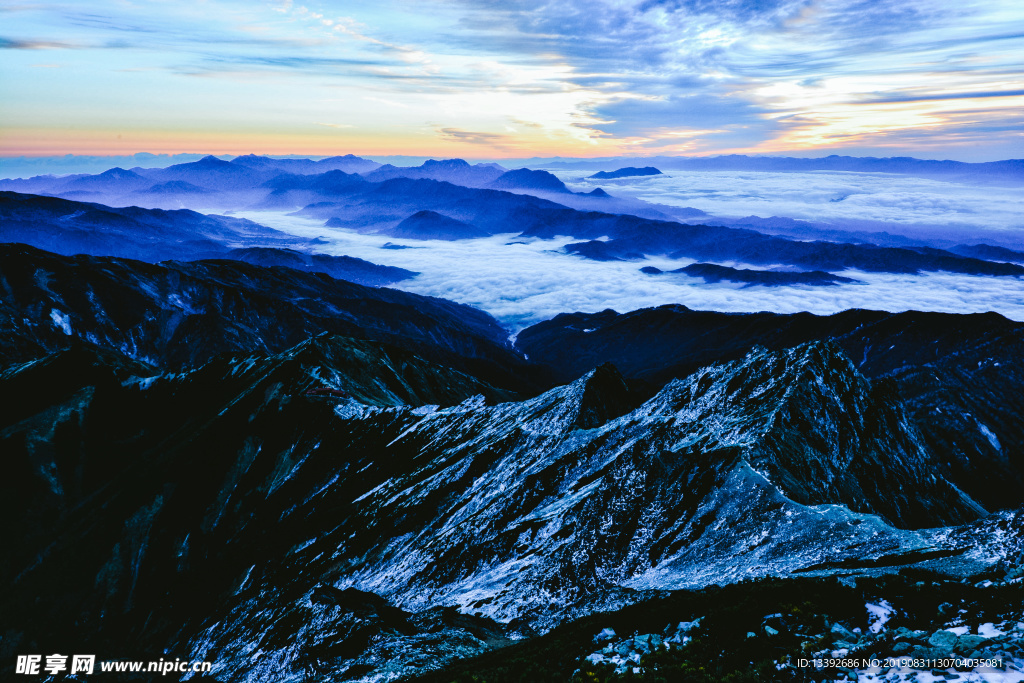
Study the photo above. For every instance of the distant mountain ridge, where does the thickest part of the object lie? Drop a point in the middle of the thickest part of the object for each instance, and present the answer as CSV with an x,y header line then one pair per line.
x,y
340,267
527,179
455,171
710,272
71,227
350,200
626,172
1008,168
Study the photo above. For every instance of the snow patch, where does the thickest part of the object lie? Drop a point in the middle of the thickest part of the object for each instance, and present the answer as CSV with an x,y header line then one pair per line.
x,y
61,320
989,630
880,614
992,439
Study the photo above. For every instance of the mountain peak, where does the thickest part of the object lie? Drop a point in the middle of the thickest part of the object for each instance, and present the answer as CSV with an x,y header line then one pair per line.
x,y
211,161
591,401
246,160
605,397
819,430
528,179
430,225
118,173
448,164
627,172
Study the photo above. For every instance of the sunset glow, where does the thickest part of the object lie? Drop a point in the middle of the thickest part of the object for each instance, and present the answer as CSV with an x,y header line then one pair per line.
x,y
529,78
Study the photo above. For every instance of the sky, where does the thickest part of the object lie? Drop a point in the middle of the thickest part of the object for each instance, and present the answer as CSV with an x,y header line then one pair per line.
x,y
484,79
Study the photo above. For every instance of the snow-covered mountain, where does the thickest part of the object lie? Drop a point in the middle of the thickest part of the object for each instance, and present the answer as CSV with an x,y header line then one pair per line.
x,y
323,509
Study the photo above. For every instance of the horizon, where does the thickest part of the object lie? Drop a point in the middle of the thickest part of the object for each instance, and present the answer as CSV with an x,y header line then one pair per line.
x,y
469,80
795,154
88,163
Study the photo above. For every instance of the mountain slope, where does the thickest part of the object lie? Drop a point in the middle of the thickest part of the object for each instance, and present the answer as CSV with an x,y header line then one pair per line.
x,y
430,225
626,172
959,374
528,179
339,267
181,314
70,227
527,512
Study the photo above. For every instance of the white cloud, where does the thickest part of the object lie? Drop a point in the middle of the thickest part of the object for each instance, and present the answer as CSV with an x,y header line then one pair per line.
x,y
913,206
523,282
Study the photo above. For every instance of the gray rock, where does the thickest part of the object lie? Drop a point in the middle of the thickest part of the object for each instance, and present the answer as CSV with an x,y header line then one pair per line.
x,y
943,640
969,642
843,633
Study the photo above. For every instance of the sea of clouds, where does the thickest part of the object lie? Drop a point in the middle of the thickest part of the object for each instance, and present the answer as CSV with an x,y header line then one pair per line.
x,y
920,208
524,281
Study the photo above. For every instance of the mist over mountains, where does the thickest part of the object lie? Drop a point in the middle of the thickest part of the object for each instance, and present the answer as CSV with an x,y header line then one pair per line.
x,y
249,441
382,198
1010,169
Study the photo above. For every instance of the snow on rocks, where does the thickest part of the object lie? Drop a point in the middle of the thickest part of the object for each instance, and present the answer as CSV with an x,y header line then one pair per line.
x,y
625,654
880,614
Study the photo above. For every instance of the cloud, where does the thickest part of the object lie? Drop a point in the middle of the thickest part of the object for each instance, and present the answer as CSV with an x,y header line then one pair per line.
x,y
916,207
15,44
932,97
726,121
474,138
700,59
524,282
750,75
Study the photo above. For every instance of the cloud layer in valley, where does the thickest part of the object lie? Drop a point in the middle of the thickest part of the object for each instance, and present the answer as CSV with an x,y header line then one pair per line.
x,y
920,208
522,282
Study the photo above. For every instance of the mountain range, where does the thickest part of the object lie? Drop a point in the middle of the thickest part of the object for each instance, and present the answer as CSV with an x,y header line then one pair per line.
x,y
226,445
354,491
956,373
524,201
332,534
